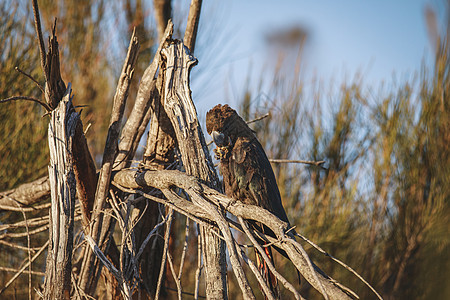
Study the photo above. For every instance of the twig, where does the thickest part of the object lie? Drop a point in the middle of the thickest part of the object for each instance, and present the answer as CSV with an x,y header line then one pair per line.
x,y
147,239
18,246
296,161
258,119
37,25
269,263
29,253
22,234
318,248
36,273
26,98
35,208
102,257
183,255
30,223
30,77
199,263
24,267
184,293
190,34
172,270
267,292
166,246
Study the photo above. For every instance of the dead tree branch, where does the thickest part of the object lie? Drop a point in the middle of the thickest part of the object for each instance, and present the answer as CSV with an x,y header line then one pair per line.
x,y
24,267
196,160
88,272
166,180
190,35
63,189
26,195
140,115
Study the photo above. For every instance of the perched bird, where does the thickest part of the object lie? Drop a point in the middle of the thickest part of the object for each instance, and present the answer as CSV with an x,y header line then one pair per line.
x,y
247,174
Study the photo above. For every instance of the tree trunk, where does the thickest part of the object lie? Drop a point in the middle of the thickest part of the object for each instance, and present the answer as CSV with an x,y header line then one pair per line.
x,y
194,154
63,188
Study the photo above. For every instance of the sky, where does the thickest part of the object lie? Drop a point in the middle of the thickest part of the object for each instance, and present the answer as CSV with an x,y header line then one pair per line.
x,y
379,39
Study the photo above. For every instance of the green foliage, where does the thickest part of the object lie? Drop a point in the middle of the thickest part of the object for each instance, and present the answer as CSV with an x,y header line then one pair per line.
x,y
23,131
382,204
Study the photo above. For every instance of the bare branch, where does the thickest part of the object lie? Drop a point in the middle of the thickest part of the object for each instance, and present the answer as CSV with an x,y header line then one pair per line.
x,y
139,116
37,25
24,267
190,35
26,98
166,247
283,280
26,194
308,162
258,119
197,191
110,152
32,79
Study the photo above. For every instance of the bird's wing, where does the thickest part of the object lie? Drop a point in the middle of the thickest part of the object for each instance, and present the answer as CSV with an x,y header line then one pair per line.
x,y
254,177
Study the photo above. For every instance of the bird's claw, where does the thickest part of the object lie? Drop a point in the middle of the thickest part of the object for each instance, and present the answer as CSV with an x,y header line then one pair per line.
x,y
221,152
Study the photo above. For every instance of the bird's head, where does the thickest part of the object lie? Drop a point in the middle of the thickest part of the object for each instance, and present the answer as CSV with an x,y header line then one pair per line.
x,y
224,125
219,121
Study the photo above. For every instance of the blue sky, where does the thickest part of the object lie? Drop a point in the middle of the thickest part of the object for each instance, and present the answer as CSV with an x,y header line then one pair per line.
x,y
378,38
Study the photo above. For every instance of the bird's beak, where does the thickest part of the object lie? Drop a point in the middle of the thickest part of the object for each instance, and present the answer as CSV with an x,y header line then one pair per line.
x,y
218,138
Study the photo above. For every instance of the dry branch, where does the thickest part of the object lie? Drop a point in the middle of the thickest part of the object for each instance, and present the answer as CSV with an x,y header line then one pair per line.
x,y
167,180
24,267
63,188
89,273
190,35
26,195
140,115
196,160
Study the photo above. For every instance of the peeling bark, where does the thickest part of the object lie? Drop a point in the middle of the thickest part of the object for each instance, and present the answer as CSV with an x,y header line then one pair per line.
x,y
63,188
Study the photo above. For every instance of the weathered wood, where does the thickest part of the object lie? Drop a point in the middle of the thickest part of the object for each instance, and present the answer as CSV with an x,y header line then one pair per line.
x,y
26,194
63,188
182,113
159,154
190,35
85,173
195,156
140,114
164,180
90,270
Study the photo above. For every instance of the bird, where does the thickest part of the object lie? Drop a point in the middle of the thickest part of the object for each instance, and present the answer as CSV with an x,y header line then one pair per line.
x,y
247,174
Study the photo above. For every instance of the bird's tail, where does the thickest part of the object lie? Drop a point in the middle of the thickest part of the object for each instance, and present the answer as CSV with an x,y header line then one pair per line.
x,y
268,276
